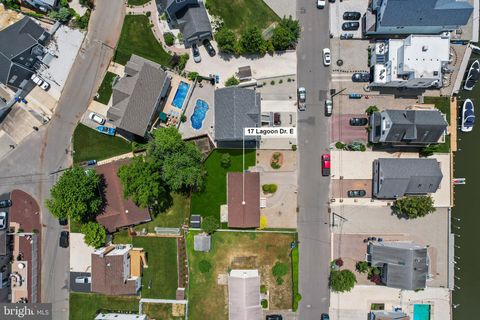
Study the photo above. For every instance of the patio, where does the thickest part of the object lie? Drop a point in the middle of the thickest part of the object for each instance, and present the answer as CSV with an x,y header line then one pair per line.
x,y
174,108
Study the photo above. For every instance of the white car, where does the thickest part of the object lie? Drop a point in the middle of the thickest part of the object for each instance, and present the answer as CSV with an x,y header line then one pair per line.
x,y
37,80
328,108
327,59
320,4
302,97
45,85
3,220
196,54
83,280
96,118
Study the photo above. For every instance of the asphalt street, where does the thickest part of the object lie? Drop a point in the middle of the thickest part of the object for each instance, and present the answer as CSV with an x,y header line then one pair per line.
x,y
313,137
30,166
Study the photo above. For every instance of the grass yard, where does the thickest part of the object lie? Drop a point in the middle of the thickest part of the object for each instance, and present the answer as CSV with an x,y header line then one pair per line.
x,y
105,90
161,311
207,202
172,218
92,145
85,306
160,278
137,38
236,250
137,2
240,14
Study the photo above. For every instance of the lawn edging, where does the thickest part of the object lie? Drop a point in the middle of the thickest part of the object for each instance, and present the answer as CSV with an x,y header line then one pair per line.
x,y
295,254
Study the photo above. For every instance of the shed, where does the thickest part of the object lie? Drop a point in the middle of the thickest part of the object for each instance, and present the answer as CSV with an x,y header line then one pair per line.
x,y
245,73
195,221
202,242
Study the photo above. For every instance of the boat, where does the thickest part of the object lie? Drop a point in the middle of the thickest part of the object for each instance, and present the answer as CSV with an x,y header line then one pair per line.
x,y
473,76
468,116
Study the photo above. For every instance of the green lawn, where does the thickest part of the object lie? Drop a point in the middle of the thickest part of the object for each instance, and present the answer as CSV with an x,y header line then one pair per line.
x,y
85,306
160,311
92,145
137,2
240,14
295,278
161,274
105,90
137,38
121,237
237,250
207,203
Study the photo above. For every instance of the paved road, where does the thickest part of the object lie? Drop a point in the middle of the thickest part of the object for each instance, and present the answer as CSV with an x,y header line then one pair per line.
x,y
29,166
313,131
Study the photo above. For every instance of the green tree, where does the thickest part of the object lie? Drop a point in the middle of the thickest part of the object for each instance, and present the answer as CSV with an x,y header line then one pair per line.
x,y
371,109
342,281
169,38
142,182
11,4
63,14
204,266
232,81
179,162
362,266
225,160
95,234
192,75
226,40
282,38
210,224
293,26
251,41
75,195
413,207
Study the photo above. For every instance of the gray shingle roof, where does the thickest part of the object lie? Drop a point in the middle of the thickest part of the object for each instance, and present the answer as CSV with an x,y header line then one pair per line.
x,y
395,178
405,264
136,96
235,108
426,13
194,22
244,295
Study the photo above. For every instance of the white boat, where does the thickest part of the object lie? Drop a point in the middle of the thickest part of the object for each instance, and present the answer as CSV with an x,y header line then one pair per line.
x,y
468,116
473,75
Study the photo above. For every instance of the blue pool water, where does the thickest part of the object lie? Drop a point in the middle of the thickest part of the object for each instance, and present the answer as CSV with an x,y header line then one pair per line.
x,y
201,108
421,312
180,95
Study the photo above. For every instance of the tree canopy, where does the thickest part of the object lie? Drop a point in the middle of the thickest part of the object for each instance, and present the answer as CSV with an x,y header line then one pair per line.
x,y
251,41
95,234
281,38
342,280
210,224
75,195
413,207
226,40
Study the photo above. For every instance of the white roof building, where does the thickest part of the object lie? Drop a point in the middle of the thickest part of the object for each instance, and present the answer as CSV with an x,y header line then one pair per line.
x,y
120,316
419,61
244,295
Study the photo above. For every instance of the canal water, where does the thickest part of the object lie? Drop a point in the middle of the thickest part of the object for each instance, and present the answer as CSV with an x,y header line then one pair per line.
x,y
466,297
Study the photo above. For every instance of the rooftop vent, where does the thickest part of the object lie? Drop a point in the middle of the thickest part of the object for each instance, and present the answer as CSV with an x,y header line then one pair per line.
x,y
424,48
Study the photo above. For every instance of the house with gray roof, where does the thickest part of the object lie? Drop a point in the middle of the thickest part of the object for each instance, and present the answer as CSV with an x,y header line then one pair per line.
x,y
190,16
394,178
244,295
138,97
403,265
235,109
43,5
407,127
390,17
21,52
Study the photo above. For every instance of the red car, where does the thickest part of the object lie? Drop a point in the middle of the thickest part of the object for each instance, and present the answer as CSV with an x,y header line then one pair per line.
x,y
325,165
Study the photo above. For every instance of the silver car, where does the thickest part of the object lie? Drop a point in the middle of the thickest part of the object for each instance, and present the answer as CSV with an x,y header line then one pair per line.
x,y
3,220
83,279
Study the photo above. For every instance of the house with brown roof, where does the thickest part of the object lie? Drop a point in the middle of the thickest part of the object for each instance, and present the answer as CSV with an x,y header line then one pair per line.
x,y
118,212
243,199
115,272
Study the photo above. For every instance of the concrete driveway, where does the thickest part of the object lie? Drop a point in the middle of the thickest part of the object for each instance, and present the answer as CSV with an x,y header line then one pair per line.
x,y
343,131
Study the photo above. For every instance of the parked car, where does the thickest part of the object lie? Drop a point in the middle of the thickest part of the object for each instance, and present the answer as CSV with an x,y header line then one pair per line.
x,y
346,36
45,85
350,26
63,242
327,59
5,203
96,118
355,96
36,79
196,53
325,165
358,122
3,220
62,222
210,49
328,108
324,316
320,4
302,97
351,15
274,317
356,193
361,77
83,279
107,130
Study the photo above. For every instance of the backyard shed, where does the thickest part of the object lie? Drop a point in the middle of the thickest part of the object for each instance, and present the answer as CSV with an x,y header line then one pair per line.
x,y
202,242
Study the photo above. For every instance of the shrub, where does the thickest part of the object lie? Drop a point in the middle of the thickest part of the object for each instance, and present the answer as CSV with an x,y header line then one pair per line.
x,y
279,281
362,266
226,40
169,38
269,188
371,109
148,14
294,147
342,281
279,269
251,41
192,76
210,224
263,289
272,82
225,160
182,62
340,145
232,81
280,81
339,262
62,15
204,266
264,303
412,207
183,118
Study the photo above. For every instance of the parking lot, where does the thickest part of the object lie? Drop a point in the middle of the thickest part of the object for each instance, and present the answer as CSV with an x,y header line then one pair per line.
x,y
346,133
336,16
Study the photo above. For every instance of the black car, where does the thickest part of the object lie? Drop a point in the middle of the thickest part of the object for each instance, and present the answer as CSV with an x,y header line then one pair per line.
x,y
351,15
324,316
64,239
274,317
356,193
361,77
62,222
210,49
350,26
5,203
358,122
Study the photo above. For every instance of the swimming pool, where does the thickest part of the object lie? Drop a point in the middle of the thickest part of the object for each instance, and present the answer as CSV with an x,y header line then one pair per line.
x,y
201,108
181,94
421,312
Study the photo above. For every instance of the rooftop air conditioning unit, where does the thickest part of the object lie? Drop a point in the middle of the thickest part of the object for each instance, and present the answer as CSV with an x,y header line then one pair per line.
x,y
424,48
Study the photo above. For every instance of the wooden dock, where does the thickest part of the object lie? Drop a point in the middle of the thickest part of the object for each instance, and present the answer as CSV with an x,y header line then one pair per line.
x,y
453,124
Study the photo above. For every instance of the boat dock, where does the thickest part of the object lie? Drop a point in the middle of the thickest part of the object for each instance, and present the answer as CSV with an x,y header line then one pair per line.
x,y
453,123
